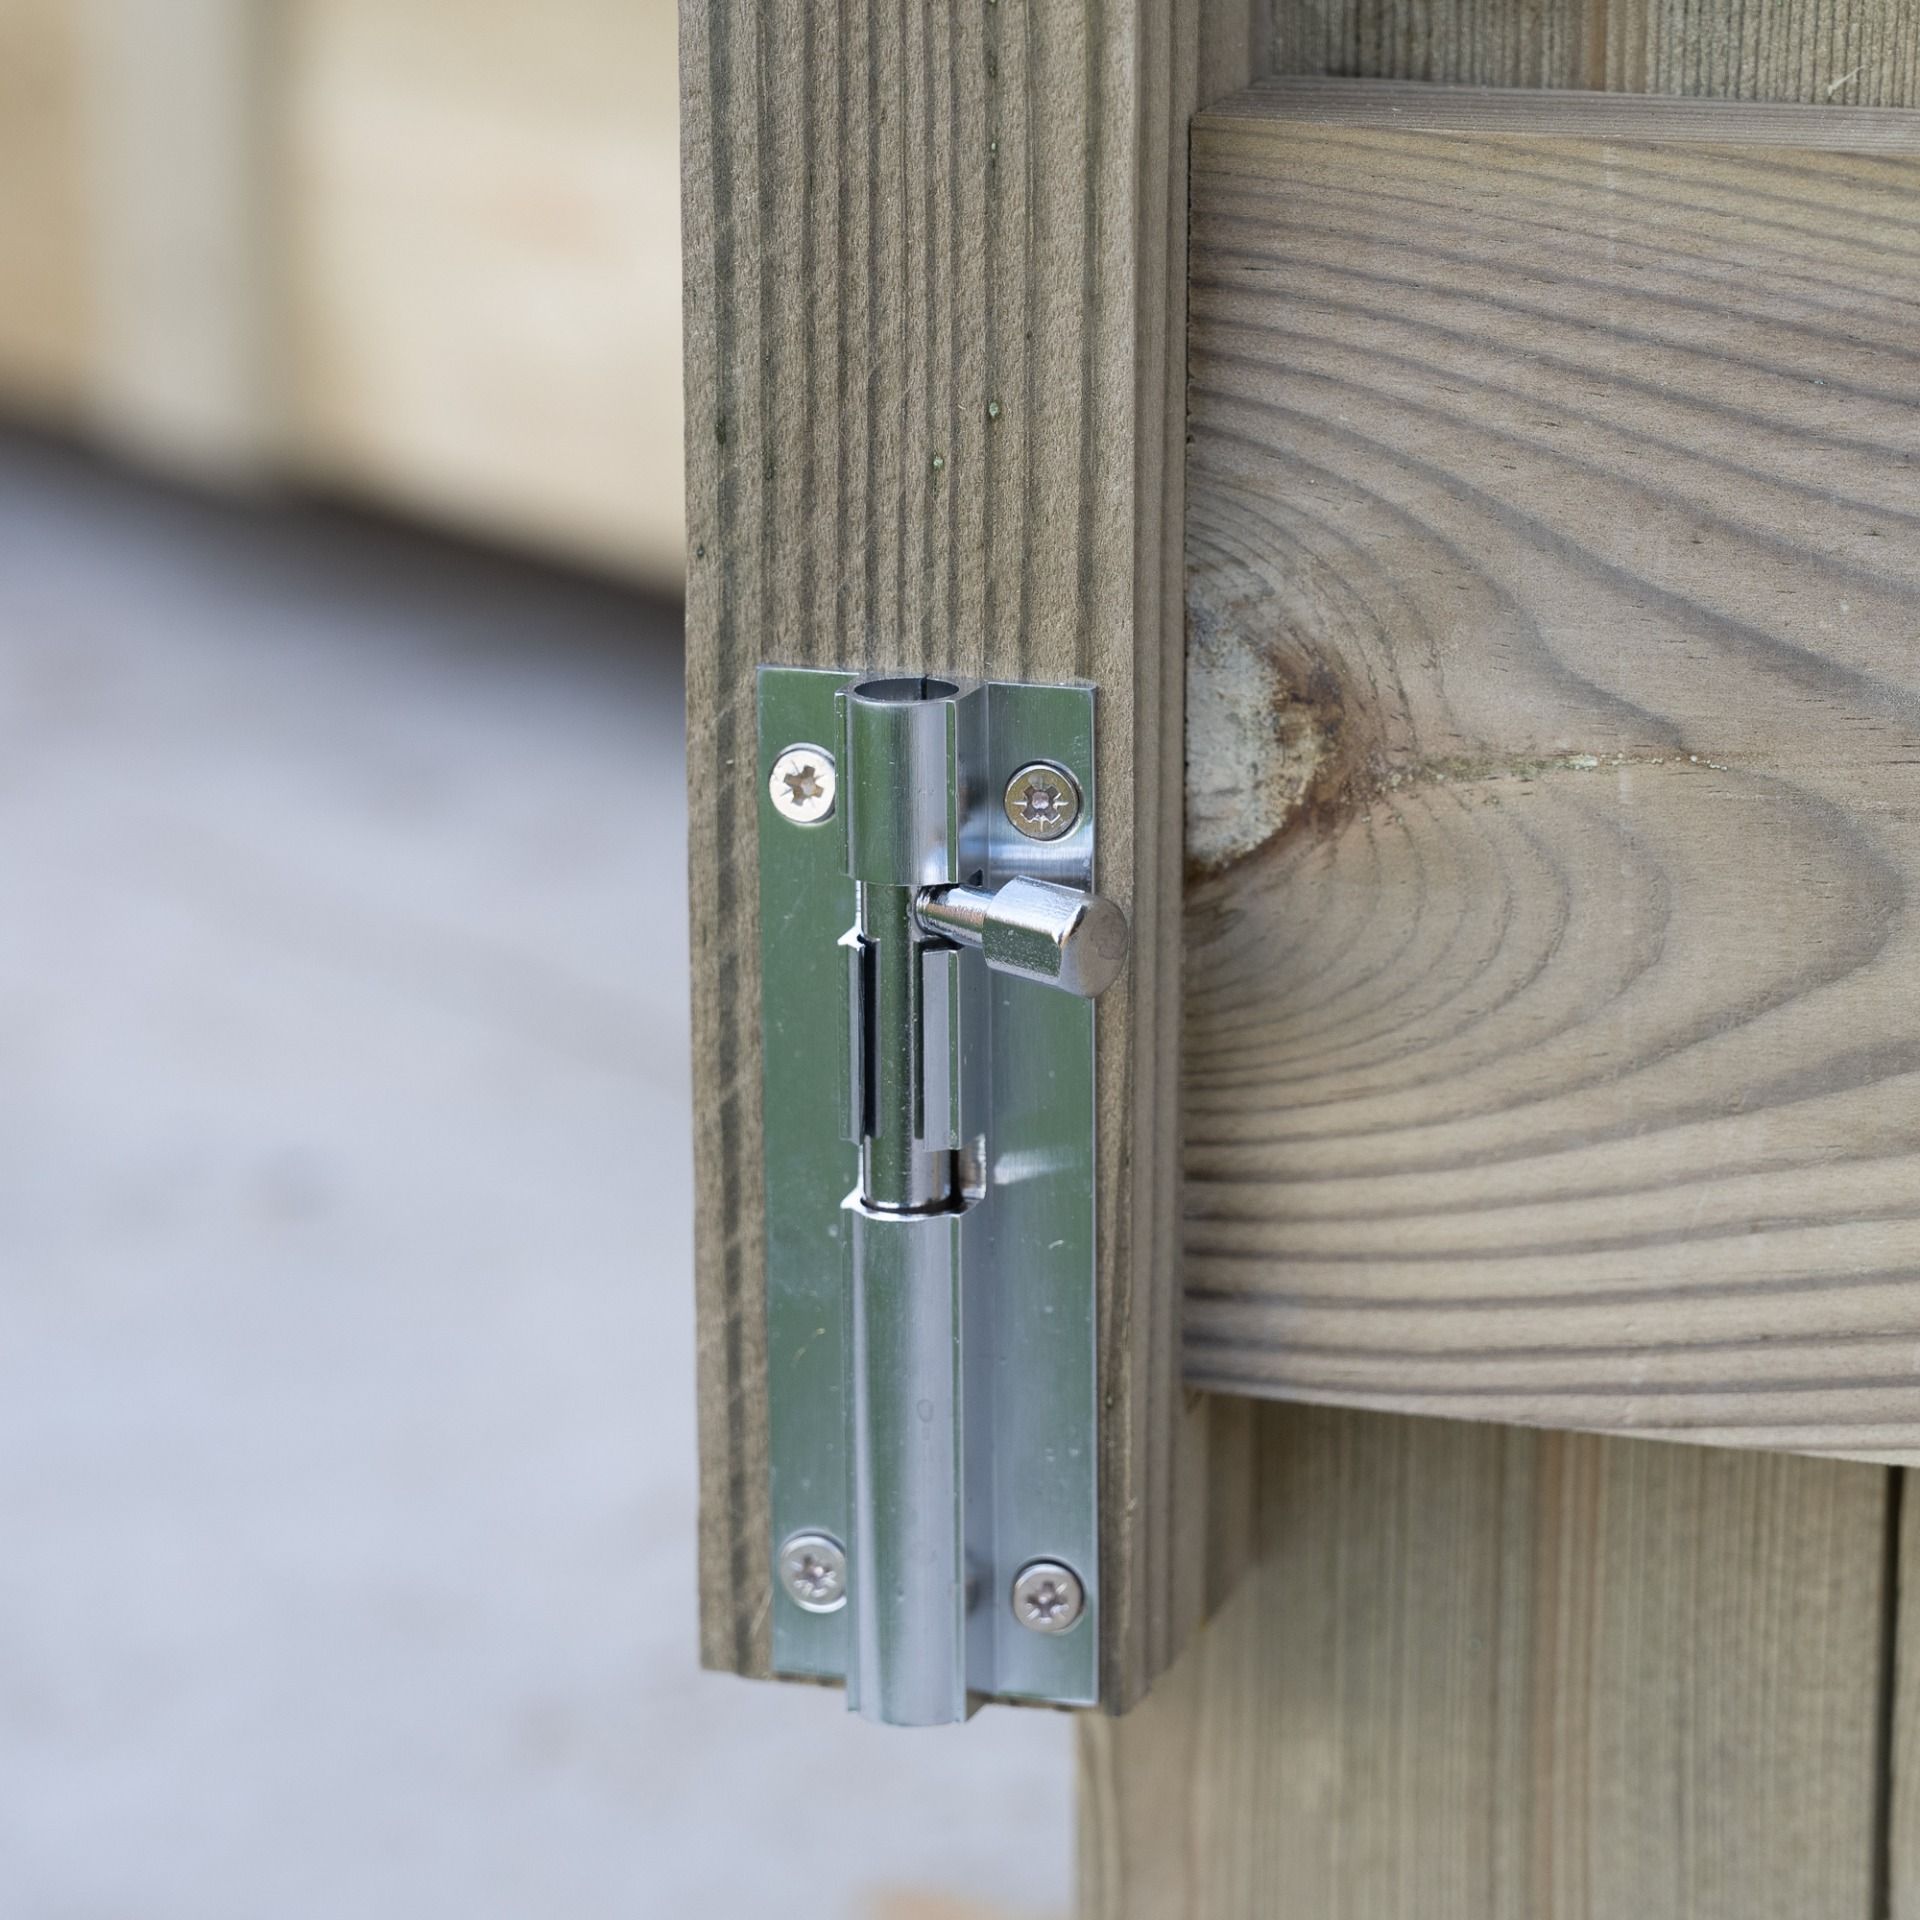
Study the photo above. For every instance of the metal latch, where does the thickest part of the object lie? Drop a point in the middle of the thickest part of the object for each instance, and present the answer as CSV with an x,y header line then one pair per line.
x,y
930,941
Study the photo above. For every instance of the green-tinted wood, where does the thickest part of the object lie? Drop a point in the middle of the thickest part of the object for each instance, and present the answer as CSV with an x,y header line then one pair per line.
x,y
1553,1052
935,310
1496,1675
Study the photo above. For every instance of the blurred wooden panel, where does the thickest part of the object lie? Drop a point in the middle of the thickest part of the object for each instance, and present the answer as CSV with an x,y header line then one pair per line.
x,y
45,312
181,228
1498,1675
135,225
1824,52
483,279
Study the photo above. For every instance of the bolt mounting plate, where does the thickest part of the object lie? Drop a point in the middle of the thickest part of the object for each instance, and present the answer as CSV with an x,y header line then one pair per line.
x,y
1030,1413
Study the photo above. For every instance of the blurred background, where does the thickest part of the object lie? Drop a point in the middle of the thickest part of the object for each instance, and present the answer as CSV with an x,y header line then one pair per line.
x,y
346,1429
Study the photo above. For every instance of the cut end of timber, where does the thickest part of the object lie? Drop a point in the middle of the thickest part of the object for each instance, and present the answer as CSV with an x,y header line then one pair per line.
x,y
1276,740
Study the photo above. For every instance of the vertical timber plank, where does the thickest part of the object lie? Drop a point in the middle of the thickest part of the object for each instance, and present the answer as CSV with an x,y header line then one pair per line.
x,y
1486,1674
1902,1785
935,296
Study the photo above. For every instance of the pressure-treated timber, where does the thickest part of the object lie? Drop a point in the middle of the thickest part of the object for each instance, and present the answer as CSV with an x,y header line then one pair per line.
x,y
1902,1786
935,302
1845,52
1553,1036
1499,1675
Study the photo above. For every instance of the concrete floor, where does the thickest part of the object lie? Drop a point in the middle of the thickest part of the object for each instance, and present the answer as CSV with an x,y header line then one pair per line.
x,y
346,1426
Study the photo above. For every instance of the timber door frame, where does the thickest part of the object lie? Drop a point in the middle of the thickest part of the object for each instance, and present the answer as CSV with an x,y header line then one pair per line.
x,y
935,298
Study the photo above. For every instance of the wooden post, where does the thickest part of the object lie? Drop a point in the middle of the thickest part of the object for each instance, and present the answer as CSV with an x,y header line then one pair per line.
x,y
935,300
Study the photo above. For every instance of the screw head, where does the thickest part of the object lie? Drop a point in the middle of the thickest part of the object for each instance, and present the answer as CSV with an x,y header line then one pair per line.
x,y
1048,1597
802,785
1043,802
813,1569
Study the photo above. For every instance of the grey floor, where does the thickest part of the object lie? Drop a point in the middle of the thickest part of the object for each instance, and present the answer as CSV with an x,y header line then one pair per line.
x,y
346,1426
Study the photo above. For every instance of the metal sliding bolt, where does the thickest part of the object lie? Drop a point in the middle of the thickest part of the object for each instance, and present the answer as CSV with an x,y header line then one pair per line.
x,y
1036,930
1048,1597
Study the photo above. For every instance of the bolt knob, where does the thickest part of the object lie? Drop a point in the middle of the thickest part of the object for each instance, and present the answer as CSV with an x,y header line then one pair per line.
x,y
1034,930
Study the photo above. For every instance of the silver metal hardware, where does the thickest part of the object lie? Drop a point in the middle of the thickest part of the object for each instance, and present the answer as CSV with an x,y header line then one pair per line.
x,y
813,1569
932,1396
1036,930
1043,801
1048,1598
801,785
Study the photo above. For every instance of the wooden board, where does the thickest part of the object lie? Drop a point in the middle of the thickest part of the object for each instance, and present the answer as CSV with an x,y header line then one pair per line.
x,y
1553,1044
181,219
1825,52
483,267
45,296
934,312
1487,1675
1902,1788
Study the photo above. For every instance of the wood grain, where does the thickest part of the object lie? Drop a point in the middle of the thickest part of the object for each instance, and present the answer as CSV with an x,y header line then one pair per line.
x,y
1852,52
1553,1045
1902,1785
1903,1715
1495,1675
935,308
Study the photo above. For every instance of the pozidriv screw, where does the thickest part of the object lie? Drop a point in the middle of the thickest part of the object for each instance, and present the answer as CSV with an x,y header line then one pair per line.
x,y
813,1569
1048,1597
802,785
1043,802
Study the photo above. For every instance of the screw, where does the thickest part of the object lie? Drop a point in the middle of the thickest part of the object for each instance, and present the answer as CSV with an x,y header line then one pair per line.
x,y
802,785
813,1569
1048,1597
1043,802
